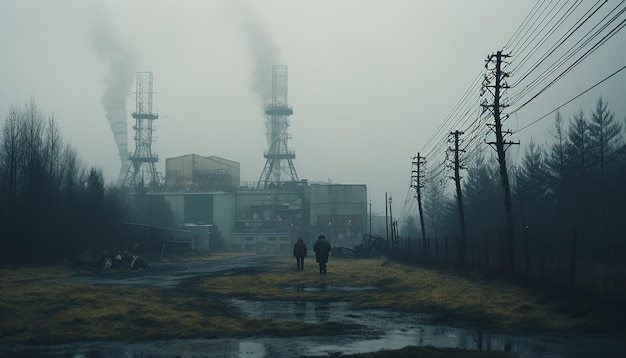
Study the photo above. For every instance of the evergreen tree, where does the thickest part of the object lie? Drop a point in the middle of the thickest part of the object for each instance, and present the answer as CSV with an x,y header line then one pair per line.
x,y
533,187
409,228
578,170
555,162
434,207
604,133
482,205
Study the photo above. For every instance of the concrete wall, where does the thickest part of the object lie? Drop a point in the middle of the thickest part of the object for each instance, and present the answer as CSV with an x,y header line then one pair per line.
x,y
261,242
339,211
271,220
201,236
224,213
192,171
217,209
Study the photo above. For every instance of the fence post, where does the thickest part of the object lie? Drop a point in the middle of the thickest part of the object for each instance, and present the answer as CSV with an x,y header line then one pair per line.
x,y
527,249
487,248
408,247
572,272
502,250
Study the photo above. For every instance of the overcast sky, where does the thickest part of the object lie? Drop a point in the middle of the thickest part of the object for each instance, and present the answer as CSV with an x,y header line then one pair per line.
x,y
369,81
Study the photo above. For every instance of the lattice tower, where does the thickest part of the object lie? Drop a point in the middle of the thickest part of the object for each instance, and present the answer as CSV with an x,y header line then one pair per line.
x,y
279,166
142,173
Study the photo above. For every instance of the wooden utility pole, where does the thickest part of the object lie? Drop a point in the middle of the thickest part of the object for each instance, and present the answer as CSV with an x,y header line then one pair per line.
x,y
417,176
387,223
370,221
495,84
393,237
459,198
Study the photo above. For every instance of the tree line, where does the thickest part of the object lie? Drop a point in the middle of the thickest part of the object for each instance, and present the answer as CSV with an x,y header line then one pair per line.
x,y
49,199
574,184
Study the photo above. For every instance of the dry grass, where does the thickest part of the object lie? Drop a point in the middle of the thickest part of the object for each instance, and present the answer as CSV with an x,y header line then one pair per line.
x,y
400,287
36,308
52,312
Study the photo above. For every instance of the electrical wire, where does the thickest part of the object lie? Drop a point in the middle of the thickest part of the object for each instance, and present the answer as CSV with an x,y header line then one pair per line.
x,y
540,25
570,100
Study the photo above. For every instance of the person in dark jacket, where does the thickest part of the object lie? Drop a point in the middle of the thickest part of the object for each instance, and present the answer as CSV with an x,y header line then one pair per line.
x,y
299,252
322,249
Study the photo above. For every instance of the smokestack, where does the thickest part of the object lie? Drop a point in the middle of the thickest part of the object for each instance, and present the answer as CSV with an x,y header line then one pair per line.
x,y
118,86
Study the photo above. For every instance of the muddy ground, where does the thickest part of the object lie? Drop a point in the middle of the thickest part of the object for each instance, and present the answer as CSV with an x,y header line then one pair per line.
x,y
345,329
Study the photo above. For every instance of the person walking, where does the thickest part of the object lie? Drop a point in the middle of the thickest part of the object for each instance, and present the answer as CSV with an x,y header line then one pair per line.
x,y
299,252
322,249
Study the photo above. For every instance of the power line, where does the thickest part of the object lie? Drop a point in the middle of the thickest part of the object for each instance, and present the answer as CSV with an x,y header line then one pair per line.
x,y
570,100
575,48
578,61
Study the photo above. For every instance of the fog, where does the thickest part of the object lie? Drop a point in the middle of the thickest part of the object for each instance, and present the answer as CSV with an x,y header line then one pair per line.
x,y
369,81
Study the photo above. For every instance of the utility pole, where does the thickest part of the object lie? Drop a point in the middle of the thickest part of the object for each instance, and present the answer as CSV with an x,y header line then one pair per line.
x,y
459,196
370,218
494,84
393,239
417,176
387,220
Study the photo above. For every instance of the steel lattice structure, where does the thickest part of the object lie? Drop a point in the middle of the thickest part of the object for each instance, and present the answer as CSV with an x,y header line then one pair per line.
x,y
142,172
279,166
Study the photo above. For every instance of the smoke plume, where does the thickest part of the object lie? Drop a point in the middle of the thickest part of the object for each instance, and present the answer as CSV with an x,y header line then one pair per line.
x,y
118,86
264,53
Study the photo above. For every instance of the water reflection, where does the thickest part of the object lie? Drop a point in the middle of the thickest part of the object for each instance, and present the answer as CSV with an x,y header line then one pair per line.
x,y
322,311
220,348
323,287
367,340
393,330
299,310
376,330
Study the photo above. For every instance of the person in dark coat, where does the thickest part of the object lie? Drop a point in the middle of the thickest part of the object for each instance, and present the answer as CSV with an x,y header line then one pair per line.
x,y
322,249
299,252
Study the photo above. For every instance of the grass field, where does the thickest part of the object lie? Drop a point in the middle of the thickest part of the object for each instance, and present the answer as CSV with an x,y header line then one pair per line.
x,y
36,307
401,287
52,312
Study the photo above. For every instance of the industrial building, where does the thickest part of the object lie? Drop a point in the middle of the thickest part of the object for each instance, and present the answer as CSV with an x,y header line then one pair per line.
x,y
193,172
204,192
269,220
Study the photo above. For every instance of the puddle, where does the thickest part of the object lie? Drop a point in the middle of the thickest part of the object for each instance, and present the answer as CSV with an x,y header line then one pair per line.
x,y
375,330
439,336
307,312
219,348
322,287
393,330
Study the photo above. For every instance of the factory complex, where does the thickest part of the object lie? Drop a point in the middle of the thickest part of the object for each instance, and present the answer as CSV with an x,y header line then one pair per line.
x,y
206,192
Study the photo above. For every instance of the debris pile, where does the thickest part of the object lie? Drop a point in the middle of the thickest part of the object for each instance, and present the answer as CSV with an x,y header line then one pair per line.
x,y
120,261
116,260
370,246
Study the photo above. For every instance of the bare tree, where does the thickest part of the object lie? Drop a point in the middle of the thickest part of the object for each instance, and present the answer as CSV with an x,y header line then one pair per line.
x,y
46,199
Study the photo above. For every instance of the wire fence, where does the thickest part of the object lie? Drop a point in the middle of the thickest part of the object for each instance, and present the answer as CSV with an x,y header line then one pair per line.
x,y
563,260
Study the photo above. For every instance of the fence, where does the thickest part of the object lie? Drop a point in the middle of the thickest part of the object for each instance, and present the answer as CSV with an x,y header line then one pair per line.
x,y
563,259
